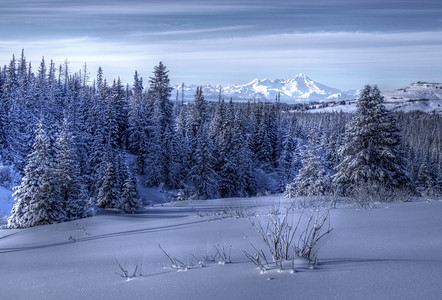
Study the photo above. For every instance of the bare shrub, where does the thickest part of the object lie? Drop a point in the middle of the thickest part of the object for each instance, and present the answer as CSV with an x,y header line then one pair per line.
x,y
318,225
123,272
177,264
223,254
288,238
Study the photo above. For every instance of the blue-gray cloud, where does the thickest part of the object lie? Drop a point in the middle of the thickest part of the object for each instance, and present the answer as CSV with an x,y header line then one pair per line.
x,y
233,41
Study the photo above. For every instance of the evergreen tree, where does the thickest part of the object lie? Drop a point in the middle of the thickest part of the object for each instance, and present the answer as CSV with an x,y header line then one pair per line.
x,y
159,159
371,152
181,151
202,161
120,104
130,199
202,173
426,183
109,191
312,179
68,179
37,201
286,170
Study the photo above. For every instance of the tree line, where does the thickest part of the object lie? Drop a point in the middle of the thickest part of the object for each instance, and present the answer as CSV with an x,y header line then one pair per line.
x,y
71,143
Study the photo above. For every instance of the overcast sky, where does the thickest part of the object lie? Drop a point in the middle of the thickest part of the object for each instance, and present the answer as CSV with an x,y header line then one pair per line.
x,y
340,43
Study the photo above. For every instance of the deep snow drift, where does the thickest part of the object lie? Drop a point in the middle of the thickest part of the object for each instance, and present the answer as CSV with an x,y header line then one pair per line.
x,y
391,252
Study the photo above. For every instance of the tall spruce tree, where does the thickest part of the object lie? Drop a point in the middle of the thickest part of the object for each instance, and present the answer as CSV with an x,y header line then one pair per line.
x,y
130,198
312,179
110,190
371,151
202,161
37,199
68,179
160,145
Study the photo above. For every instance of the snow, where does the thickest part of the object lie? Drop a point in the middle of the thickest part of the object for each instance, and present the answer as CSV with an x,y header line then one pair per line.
x,y
426,97
391,252
295,90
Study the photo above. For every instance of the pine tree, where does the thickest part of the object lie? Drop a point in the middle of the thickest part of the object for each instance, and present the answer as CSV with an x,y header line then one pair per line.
x,y
159,159
181,151
202,173
120,105
37,201
19,124
286,170
263,140
371,152
109,191
130,199
202,161
68,180
312,179
427,181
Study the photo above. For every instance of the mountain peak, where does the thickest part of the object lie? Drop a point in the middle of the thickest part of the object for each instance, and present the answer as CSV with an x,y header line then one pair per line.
x,y
298,89
302,75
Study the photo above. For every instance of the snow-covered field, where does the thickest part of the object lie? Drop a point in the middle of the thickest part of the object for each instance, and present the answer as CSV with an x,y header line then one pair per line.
x,y
391,252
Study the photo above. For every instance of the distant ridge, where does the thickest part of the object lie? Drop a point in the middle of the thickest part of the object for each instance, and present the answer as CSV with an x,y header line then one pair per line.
x,y
299,89
419,96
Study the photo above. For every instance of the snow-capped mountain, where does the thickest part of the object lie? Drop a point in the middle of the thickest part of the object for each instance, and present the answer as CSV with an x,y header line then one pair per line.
x,y
298,89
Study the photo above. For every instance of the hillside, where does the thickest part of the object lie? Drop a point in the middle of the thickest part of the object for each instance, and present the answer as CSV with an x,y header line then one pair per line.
x,y
421,96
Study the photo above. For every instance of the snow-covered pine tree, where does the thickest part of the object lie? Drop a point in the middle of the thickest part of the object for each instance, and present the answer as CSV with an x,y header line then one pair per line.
x,y
202,161
181,151
227,160
159,159
68,179
37,199
20,119
262,142
109,191
286,171
120,105
371,152
312,179
101,119
427,184
245,184
202,173
130,199
217,124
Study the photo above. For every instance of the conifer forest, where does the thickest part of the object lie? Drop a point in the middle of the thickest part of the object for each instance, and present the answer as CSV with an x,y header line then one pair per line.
x,y
72,143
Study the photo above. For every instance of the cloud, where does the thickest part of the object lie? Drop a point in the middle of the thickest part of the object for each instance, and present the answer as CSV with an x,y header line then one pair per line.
x,y
356,56
189,31
122,8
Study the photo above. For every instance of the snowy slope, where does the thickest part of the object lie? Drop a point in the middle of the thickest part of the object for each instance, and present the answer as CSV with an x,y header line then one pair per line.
x,y
297,89
415,92
417,96
392,252
426,97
